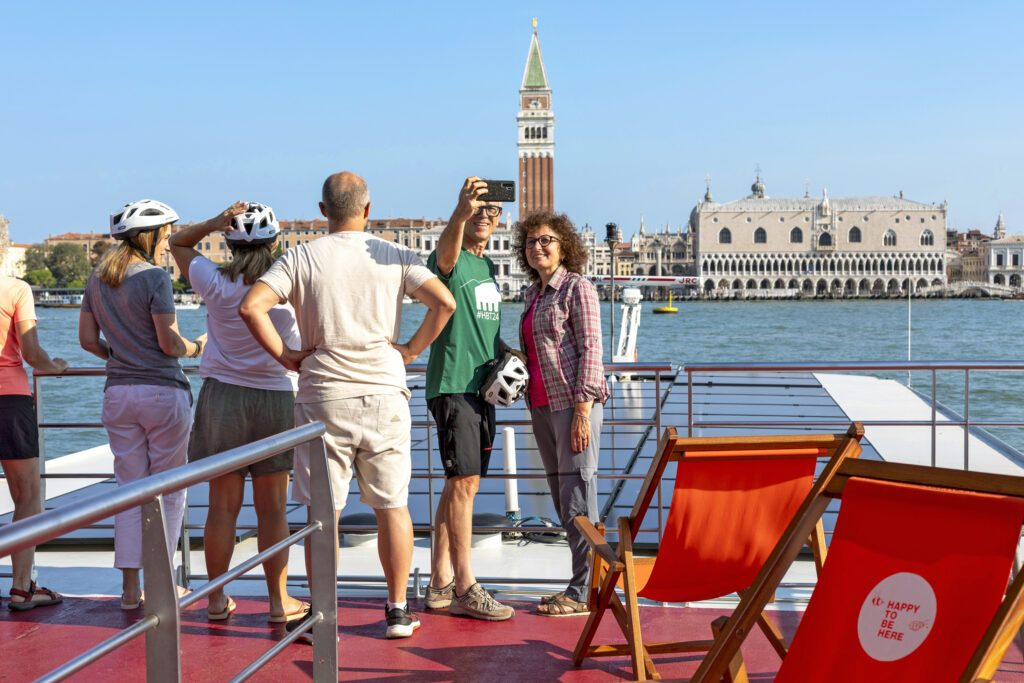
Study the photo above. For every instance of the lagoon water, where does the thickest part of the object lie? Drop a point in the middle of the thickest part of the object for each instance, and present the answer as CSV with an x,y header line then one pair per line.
x,y
811,331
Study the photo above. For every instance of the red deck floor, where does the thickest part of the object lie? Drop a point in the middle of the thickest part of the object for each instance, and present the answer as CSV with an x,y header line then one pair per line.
x,y
446,648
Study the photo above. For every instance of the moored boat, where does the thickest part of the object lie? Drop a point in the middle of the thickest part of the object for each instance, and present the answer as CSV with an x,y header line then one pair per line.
x,y
60,301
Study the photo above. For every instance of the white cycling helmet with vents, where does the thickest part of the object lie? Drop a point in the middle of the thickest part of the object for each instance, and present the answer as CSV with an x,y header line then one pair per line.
x,y
258,225
506,382
140,216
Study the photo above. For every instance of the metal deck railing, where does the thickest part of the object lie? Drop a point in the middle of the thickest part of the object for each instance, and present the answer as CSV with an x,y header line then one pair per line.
x,y
932,367
186,576
162,621
652,421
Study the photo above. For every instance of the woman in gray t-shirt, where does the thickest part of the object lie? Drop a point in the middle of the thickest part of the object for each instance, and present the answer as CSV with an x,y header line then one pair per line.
x,y
147,403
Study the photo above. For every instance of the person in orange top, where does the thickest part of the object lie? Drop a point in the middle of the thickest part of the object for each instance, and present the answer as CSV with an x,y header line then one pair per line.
x,y
19,435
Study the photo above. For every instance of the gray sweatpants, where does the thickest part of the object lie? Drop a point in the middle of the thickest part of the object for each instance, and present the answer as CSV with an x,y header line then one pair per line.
x,y
572,478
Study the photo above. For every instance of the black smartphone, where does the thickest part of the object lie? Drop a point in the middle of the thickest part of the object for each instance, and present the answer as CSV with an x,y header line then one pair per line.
x,y
499,191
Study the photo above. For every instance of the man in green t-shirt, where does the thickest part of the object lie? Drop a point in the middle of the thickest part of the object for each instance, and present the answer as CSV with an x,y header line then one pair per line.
x,y
465,422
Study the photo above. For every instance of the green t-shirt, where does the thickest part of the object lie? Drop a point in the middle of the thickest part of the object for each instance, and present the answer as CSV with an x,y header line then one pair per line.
x,y
470,339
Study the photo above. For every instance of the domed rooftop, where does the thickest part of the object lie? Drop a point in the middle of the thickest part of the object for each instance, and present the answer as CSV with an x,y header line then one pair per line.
x,y
757,189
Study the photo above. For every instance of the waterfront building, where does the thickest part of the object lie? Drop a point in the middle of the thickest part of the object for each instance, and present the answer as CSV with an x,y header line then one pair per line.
x,y
760,246
536,140
967,266
967,256
12,256
598,261
14,262
662,252
419,234
972,240
1005,258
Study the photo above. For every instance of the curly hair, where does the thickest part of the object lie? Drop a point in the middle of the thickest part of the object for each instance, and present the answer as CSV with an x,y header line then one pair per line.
x,y
574,254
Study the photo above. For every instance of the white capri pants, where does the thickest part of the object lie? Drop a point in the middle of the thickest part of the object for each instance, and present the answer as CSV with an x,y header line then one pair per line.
x,y
148,426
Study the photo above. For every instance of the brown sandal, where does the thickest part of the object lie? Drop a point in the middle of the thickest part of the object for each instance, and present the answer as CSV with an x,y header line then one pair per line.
x,y
548,598
28,602
562,606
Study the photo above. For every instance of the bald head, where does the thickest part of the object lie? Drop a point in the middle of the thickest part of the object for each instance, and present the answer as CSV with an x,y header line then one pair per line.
x,y
345,197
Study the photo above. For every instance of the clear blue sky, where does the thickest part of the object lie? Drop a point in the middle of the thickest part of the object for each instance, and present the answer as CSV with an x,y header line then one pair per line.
x,y
199,104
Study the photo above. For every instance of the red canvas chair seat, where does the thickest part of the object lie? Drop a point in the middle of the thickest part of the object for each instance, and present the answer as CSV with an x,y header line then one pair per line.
x,y
728,512
733,499
915,584
914,577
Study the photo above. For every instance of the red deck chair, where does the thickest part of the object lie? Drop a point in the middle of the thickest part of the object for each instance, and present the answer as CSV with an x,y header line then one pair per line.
x,y
915,586
733,500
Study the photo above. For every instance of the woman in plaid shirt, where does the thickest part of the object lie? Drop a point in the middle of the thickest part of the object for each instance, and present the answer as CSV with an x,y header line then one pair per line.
x,y
560,332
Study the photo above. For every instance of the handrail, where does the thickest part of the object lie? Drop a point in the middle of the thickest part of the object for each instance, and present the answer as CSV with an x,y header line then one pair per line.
x,y
655,422
162,623
59,521
934,367
839,366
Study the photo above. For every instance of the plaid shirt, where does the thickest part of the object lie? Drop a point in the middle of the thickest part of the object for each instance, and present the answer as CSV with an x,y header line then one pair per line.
x,y
567,339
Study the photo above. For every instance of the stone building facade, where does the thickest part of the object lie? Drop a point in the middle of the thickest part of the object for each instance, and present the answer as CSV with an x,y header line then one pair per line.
x,y
661,252
760,246
967,254
1005,258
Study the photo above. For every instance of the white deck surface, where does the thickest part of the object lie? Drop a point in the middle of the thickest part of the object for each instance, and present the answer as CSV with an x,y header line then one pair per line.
x,y
869,398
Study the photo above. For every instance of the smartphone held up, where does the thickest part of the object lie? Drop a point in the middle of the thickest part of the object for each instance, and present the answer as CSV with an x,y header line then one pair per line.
x,y
499,191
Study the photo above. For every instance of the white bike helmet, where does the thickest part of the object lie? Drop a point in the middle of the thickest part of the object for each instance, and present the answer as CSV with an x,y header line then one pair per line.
x,y
506,382
140,216
257,225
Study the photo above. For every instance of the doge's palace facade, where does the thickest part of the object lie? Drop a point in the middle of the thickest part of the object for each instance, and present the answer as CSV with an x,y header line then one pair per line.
x,y
764,247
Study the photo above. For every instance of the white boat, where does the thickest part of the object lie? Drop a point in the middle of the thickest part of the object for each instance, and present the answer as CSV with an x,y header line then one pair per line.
x,y
187,302
60,301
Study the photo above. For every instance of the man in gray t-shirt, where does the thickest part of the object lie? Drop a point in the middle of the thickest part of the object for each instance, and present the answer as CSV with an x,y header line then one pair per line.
x,y
347,290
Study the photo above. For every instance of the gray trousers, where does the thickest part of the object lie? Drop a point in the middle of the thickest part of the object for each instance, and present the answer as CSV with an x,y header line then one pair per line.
x,y
572,479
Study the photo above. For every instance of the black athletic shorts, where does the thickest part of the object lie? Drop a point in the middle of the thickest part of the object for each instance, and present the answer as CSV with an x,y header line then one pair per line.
x,y
465,432
19,435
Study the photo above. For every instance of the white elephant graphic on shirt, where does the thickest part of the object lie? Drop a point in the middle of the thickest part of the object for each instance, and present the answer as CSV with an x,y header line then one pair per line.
x,y
488,298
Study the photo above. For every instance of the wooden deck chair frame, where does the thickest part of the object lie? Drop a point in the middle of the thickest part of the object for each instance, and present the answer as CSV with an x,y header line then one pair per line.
x,y
1006,623
608,564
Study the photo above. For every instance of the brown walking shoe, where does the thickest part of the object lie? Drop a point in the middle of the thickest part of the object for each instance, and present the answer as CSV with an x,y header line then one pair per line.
x,y
479,604
439,598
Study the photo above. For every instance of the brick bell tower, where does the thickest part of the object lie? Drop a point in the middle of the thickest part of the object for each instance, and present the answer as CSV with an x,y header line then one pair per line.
x,y
536,123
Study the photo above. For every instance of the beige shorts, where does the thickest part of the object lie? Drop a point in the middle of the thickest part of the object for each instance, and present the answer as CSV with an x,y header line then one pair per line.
x,y
369,435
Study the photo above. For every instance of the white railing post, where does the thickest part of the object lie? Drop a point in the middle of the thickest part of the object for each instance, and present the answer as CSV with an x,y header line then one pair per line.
x,y
508,436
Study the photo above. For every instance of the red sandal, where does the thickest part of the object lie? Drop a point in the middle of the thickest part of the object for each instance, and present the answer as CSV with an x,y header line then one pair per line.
x,y
27,598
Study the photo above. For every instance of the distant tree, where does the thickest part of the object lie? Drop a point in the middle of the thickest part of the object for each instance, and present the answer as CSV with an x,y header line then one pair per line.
x,y
100,248
40,278
278,250
36,256
76,284
180,284
69,262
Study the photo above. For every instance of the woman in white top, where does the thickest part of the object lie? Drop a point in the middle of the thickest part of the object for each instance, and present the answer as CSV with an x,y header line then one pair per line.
x,y
246,395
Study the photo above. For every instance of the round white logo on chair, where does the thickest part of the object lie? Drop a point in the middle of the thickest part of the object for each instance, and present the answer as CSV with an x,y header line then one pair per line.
x,y
896,617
